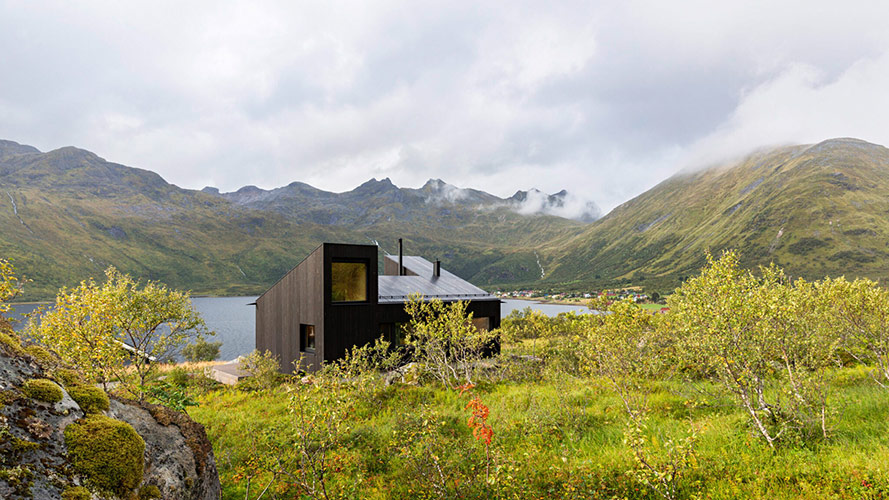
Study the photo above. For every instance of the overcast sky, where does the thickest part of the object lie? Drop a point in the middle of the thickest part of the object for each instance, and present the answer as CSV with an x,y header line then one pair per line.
x,y
604,99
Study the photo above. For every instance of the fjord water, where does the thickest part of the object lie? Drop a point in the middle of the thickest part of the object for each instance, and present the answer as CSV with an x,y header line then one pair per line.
x,y
232,318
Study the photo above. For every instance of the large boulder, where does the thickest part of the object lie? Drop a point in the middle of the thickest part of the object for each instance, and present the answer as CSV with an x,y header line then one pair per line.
x,y
51,448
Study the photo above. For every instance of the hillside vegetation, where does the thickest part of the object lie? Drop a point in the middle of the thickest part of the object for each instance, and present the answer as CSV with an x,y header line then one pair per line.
x,y
816,210
750,387
68,214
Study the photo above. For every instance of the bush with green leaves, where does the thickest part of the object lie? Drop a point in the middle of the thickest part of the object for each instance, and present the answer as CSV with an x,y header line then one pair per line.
x,y
118,329
762,338
10,285
201,350
858,311
443,340
263,369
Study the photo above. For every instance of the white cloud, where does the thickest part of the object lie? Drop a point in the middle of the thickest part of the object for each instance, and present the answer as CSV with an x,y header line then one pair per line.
x,y
602,99
802,105
563,204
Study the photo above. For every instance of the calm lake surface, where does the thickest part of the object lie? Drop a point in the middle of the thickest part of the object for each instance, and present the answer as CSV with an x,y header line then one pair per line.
x,y
233,319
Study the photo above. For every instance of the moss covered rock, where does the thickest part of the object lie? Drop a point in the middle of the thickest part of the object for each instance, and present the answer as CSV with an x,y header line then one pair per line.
x,y
68,378
42,355
107,452
76,493
91,399
42,389
149,492
11,343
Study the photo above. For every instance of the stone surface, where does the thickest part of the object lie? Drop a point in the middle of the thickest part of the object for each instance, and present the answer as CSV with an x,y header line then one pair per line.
x,y
33,457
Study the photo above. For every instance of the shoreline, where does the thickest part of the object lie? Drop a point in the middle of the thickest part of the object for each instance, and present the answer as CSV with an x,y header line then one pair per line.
x,y
579,303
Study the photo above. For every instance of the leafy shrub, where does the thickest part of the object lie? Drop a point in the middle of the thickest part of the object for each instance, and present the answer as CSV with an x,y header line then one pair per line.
x,y
201,350
444,341
108,452
91,399
763,339
178,377
42,389
10,286
263,368
89,323
858,312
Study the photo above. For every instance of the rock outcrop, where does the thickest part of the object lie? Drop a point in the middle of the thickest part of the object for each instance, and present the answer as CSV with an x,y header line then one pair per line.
x,y
53,447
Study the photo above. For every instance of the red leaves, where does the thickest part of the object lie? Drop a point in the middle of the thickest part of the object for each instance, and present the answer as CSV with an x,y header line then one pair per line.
x,y
478,421
465,387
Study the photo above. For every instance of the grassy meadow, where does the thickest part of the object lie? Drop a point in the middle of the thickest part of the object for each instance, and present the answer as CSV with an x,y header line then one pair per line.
x,y
751,386
554,437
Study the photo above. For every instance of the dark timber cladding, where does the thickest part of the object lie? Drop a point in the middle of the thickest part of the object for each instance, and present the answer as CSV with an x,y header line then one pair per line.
x,y
335,299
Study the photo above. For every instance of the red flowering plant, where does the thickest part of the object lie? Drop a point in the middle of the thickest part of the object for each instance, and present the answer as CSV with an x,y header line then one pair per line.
x,y
478,422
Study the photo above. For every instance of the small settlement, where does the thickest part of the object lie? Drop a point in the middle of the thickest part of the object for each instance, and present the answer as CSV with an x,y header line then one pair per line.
x,y
336,299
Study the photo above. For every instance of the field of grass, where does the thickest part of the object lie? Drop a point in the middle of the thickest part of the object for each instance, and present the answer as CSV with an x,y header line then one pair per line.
x,y
555,436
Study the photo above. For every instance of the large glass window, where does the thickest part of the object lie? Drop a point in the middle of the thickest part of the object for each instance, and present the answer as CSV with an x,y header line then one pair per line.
x,y
307,338
348,282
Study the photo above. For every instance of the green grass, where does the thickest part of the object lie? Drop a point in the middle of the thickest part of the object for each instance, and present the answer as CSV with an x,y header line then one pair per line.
x,y
563,437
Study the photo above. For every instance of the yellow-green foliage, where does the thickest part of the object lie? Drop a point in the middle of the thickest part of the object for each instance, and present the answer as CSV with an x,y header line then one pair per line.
x,y
76,493
41,354
108,452
42,389
90,398
90,322
263,368
149,492
10,286
68,378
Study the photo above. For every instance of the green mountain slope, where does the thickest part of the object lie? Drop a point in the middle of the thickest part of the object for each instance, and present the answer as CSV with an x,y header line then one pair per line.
x,y
816,210
67,214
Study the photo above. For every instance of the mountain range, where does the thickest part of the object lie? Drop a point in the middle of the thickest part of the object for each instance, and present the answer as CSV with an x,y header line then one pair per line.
x,y
67,214
816,210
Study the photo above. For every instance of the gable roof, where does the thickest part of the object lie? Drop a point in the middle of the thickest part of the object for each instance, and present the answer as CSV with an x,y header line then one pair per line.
x,y
448,286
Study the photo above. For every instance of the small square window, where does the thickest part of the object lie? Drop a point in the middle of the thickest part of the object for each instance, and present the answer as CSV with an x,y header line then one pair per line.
x,y
307,338
482,324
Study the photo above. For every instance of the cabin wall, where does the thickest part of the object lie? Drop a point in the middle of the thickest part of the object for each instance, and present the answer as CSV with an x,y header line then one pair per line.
x,y
294,300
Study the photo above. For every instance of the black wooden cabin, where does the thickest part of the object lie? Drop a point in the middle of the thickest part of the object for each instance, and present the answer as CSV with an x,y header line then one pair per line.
x,y
335,299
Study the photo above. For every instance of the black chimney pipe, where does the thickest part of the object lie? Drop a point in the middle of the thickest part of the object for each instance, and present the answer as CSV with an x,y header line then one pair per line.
x,y
436,271
400,258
